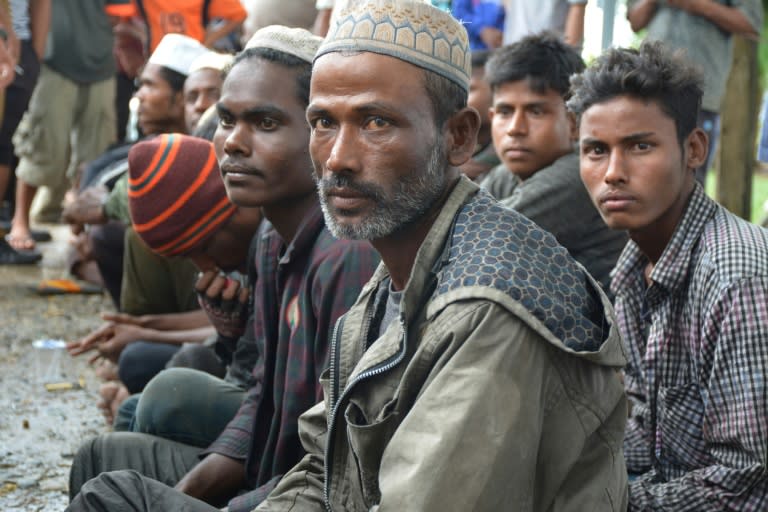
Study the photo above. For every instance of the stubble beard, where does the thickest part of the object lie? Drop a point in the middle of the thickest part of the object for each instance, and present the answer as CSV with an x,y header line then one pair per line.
x,y
408,201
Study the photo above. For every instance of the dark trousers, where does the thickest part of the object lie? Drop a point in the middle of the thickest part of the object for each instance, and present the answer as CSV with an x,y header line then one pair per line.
x,y
107,242
126,491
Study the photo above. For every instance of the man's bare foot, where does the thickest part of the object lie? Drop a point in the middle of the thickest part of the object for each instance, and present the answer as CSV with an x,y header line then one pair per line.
x,y
107,370
20,238
113,393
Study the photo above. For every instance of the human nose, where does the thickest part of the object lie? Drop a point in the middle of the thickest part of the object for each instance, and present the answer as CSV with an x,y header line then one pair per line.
x,y
236,140
517,124
343,155
140,93
615,171
202,103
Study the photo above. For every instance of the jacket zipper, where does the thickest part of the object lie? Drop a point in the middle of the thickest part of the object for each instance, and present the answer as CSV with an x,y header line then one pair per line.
x,y
376,370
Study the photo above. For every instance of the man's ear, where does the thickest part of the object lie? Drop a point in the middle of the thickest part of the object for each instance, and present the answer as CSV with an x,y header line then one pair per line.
x,y
573,126
461,135
696,146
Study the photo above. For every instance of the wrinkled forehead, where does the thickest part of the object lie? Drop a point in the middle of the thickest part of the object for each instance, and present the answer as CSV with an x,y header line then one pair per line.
x,y
345,76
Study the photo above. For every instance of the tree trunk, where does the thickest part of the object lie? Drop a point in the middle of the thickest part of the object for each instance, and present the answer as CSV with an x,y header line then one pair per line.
x,y
739,112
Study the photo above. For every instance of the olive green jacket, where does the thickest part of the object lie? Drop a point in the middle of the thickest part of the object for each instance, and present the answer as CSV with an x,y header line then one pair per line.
x,y
488,394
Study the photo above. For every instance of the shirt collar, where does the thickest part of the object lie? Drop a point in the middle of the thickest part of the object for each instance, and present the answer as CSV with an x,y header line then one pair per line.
x,y
671,271
305,236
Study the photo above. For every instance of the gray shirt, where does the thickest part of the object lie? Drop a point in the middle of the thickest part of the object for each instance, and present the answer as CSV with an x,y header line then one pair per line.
x,y
556,199
80,41
525,17
706,44
500,182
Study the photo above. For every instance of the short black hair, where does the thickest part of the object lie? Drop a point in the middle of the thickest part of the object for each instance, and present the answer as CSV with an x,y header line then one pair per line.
x,y
174,78
479,58
543,60
653,72
303,68
447,97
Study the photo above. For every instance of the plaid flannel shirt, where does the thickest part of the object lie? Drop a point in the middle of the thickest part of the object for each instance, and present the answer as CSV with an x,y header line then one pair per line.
x,y
697,347
300,291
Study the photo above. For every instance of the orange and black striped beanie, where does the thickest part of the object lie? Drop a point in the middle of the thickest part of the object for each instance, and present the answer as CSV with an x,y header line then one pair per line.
x,y
176,195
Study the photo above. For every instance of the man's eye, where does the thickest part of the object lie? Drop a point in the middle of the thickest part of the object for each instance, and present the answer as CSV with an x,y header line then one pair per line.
x,y
225,122
268,124
594,150
321,123
376,122
642,146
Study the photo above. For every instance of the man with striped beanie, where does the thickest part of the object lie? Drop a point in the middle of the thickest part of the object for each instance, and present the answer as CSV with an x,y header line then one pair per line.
x,y
180,211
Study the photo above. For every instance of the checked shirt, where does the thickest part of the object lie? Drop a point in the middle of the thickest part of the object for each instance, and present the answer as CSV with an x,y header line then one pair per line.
x,y
300,291
697,348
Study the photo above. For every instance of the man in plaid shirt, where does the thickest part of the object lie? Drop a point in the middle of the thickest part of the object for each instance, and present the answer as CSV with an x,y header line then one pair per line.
x,y
691,289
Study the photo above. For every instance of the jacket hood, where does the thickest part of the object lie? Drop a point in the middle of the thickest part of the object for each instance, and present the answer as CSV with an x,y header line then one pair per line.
x,y
478,249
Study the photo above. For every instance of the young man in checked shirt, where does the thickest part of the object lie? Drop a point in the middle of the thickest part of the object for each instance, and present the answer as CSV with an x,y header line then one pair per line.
x,y
691,289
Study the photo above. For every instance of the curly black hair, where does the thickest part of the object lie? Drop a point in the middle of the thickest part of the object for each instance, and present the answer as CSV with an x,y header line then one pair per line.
x,y
652,72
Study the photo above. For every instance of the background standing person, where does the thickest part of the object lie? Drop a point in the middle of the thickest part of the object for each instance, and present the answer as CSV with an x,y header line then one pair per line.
x,y
71,118
526,17
703,28
26,31
484,21
191,18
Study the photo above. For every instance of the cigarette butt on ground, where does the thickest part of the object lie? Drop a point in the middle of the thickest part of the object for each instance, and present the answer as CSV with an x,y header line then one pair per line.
x,y
64,386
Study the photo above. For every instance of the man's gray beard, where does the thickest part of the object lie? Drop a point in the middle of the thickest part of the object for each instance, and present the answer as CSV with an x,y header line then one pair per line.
x,y
411,198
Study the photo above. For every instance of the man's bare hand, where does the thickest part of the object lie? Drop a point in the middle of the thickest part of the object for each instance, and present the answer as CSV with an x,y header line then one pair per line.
x,y
492,37
7,67
87,207
110,339
225,301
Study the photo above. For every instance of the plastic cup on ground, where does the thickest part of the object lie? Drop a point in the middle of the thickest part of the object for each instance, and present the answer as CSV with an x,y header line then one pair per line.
x,y
48,358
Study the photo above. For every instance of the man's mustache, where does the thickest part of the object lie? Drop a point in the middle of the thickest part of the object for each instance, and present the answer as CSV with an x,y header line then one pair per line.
x,y
337,181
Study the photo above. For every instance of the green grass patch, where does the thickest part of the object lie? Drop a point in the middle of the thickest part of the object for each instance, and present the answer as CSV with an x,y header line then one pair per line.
x,y
759,193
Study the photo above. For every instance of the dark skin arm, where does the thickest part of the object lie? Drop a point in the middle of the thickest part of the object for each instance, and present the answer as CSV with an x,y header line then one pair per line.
x,y
727,18
641,14
216,479
40,23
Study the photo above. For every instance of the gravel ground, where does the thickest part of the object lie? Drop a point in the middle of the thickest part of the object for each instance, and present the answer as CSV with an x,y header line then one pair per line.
x,y
40,430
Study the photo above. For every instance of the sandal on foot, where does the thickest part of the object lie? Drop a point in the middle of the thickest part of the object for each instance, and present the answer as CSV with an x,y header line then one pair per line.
x,y
10,256
64,286
38,235
20,243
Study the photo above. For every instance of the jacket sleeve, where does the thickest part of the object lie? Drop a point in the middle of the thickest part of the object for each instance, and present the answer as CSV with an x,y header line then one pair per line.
x,y
301,489
471,439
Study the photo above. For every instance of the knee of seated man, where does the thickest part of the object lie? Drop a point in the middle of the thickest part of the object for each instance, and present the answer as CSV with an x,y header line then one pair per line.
x,y
170,398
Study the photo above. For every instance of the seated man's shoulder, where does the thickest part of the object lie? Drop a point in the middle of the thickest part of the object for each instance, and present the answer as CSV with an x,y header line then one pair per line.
x,y
734,248
553,183
497,254
500,182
